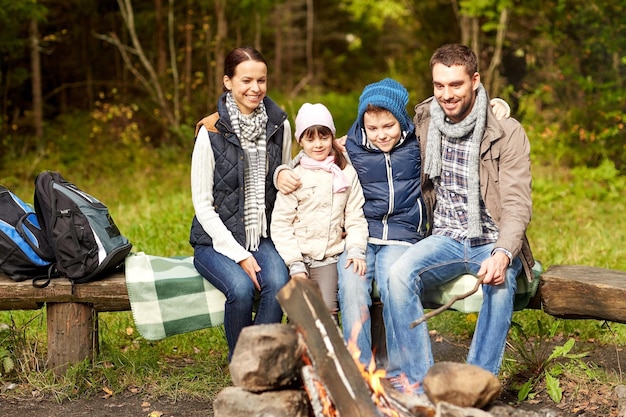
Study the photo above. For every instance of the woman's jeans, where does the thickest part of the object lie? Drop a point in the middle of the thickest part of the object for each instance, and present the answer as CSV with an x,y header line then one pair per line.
x,y
431,262
227,276
355,298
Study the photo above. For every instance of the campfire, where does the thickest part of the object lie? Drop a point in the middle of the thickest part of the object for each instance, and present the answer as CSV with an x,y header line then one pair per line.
x,y
305,369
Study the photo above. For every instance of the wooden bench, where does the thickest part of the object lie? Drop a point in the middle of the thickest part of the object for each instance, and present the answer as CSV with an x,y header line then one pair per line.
x,y
71,310
566,291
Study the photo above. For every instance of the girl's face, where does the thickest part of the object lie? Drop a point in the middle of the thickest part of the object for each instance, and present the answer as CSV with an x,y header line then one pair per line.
x,y
248,85
382,129
316,146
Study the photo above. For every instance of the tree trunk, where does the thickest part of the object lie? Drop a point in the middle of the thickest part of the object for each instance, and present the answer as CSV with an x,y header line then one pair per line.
x,y
188,71
279,19
173,63
257,30
159,32
35,65
492,75
222,32
310,31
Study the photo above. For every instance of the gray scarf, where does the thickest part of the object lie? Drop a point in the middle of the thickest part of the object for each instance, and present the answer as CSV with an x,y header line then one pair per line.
x,y
439,126
250,129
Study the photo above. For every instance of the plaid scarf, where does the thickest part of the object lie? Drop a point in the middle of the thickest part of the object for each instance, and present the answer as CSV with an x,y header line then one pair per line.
x,y
250,129
472,127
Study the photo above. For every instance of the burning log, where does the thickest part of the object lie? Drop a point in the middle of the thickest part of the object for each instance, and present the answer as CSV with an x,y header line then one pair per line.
x,y
302,302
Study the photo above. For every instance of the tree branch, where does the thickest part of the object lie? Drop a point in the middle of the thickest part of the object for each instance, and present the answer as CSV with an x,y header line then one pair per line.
x,y
448,304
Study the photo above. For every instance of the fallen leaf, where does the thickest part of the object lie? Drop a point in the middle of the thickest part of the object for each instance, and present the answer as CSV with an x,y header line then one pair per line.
x,y
130,331
108,392
155,414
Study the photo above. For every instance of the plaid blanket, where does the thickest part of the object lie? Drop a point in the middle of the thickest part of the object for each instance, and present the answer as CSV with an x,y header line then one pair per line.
x,y
168,296
526,290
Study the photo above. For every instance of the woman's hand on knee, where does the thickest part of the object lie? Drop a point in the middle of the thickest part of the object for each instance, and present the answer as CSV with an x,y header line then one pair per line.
x,y
251,267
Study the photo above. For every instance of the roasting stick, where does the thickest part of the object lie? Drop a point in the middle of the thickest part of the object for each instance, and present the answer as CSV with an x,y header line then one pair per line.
x,y
447,305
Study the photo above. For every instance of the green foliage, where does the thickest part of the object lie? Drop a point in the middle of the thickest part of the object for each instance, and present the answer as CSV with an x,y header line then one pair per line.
x,y
377,12
537,360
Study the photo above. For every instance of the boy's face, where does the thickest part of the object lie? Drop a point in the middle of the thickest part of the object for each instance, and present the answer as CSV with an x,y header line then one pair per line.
x,y
382,129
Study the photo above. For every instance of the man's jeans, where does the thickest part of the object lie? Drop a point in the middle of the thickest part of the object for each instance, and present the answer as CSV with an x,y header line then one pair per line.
x,y
355,298
429,263
228,277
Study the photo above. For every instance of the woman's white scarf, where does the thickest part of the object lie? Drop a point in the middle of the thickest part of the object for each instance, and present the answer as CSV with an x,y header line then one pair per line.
x,y
439,126
250,129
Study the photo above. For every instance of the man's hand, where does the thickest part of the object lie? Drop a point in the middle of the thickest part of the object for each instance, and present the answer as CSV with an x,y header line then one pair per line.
x,y
251,267
494,269
500,108
287,181
341,142
359,265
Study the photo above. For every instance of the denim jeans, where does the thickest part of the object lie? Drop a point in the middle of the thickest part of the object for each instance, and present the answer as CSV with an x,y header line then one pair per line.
x,y
433,261
355,298
228,277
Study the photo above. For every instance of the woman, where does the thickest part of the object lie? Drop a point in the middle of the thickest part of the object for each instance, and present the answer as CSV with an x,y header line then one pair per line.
x,y
236,152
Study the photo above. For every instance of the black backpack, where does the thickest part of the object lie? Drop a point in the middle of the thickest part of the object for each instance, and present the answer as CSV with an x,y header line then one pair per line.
x,y
24,249
86,242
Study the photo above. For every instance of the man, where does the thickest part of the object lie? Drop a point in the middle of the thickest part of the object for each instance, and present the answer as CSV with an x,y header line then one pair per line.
x,y
476,185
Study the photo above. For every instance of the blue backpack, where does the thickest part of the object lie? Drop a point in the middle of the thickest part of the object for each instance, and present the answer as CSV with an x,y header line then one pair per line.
x,y
24,249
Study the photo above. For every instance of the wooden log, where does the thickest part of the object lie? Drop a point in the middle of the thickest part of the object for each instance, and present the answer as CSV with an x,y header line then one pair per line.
x,y
106,294
72,334
584,292
302,302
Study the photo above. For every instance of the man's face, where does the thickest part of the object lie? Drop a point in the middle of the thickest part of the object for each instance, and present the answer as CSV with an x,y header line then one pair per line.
x,y
455,90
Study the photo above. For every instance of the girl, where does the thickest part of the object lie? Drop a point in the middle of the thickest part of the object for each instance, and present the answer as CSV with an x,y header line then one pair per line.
x,y
308,224
236,152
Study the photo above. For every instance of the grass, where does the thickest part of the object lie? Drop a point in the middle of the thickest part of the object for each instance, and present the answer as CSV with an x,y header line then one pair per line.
x,y
577,220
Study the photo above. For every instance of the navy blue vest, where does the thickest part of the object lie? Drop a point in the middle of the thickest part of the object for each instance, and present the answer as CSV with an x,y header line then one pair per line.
x,y
228,177
391,185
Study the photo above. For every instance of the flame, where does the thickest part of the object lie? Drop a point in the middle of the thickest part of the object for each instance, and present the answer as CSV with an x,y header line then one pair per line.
x,y
371,375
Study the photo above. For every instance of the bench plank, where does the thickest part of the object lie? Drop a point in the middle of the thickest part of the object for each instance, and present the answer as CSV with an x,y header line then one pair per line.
x,y
584,292
107,294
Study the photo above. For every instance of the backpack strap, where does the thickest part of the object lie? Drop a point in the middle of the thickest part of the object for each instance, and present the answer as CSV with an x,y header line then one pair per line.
x,y
208,122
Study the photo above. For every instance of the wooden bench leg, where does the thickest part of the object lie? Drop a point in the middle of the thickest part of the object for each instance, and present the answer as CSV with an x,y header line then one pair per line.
x,y
72,334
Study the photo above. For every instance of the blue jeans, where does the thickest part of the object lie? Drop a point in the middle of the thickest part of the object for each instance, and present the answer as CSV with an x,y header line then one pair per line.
x,y
431,262
355,298
228,277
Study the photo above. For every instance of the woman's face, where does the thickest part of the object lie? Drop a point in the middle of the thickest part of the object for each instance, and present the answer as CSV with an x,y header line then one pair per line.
x,y
248,85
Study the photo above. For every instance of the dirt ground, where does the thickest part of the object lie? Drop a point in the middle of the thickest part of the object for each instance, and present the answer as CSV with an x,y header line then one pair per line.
x,y
580,398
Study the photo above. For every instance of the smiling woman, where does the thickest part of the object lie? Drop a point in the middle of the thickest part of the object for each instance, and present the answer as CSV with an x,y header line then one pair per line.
x,y
239,148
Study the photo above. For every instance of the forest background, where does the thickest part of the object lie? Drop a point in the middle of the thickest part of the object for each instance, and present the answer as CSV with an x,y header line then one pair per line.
x,y
108,93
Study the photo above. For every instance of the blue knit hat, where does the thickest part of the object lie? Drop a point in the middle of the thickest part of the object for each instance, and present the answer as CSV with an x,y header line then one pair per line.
x,y
388,94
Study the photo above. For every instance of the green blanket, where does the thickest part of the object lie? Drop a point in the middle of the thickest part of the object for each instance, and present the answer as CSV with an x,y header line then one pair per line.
x,y
168,296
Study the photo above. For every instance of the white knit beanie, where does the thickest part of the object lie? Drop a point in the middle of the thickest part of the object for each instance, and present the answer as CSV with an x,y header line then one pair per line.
x,y
311,115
